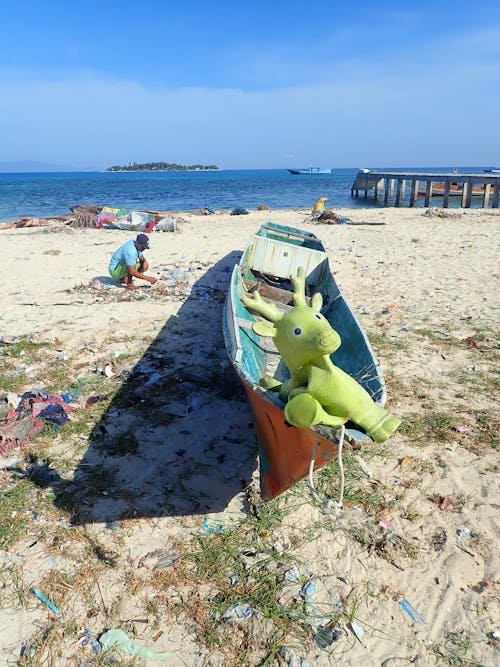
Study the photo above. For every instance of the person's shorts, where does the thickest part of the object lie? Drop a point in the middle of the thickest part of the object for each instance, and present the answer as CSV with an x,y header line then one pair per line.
x,y
121,270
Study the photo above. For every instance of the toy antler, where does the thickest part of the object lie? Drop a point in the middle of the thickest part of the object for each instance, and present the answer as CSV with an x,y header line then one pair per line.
x,y
268,310
299,287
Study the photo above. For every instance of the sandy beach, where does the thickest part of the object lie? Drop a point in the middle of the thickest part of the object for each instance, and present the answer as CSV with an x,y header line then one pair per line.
x,y
142,513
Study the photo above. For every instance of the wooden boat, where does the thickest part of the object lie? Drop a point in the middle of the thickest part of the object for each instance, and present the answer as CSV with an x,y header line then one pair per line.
x,y
310,171
273,254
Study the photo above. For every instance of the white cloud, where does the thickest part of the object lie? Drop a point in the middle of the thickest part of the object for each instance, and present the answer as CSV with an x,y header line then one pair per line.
x,y
359,113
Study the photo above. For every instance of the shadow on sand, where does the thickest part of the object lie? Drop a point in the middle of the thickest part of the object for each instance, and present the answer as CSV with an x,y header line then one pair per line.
x,y
178,436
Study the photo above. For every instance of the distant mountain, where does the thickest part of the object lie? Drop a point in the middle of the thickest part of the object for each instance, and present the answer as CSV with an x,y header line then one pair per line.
x,y
33,166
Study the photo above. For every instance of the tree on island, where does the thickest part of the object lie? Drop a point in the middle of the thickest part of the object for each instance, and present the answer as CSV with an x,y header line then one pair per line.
x,y
162,166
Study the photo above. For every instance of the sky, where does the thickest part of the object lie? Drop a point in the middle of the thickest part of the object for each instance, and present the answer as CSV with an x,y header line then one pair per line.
x,y
258,84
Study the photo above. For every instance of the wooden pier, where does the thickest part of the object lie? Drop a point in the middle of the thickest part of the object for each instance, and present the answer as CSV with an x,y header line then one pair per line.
x,y
392,186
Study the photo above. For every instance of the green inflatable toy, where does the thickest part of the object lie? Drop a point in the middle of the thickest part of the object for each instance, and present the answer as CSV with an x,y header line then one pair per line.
x,y
318,392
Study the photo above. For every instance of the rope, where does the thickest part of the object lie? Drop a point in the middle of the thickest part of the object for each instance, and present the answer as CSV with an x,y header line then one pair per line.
x,y
329,506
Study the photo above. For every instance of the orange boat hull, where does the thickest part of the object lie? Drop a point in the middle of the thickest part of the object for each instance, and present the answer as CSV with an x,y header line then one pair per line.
x,y
455,190
293,447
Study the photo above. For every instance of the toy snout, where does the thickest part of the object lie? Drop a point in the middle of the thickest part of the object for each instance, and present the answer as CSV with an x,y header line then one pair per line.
x,y
329,342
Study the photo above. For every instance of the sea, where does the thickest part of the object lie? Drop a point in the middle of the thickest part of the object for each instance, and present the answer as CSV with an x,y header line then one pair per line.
x,y
48,194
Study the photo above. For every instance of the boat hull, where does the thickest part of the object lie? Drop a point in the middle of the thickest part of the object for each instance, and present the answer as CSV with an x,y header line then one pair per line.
x,y
285,451
437,190
273,255
311,171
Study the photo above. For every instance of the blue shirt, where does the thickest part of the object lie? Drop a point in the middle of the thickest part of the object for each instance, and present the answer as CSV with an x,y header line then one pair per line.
x,y
127,253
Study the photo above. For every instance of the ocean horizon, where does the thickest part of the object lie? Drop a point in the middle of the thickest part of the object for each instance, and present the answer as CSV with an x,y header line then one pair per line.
x,y
45,194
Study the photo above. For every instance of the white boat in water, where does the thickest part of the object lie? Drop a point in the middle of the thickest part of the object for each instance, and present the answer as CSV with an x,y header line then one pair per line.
x,y
310,170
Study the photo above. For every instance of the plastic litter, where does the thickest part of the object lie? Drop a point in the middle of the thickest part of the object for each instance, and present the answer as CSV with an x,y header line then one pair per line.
x,y
445,502
288,655
70,396
160,559
463,533
46,601
356,437
212,526
362,464
406,463
238,612
357,630
117,639
314,616
326,635
462,429
166,225
91,640
54,413
411,612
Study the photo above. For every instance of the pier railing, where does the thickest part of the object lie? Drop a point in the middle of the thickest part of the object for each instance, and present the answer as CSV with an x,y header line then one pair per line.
x,y
393,186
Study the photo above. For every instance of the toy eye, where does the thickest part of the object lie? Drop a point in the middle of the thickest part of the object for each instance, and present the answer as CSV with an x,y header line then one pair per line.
x,y
318,316
297,331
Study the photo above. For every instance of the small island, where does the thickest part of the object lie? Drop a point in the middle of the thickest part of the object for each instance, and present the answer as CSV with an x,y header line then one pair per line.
x,y
162,166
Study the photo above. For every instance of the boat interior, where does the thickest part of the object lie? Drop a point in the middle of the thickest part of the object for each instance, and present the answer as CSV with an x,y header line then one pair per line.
x,y
266,267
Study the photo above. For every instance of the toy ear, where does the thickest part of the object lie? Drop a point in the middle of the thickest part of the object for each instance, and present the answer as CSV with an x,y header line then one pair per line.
x,y
317,302
264,329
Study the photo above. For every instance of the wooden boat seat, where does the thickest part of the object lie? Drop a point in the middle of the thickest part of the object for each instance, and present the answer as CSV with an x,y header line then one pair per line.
x,y
279,296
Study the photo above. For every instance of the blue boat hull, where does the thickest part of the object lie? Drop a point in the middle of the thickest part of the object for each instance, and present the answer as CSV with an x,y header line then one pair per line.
x,y
310,171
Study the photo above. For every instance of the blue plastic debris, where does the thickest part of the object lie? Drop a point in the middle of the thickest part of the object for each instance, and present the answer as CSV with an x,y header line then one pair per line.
x,y
212,526
411,612
238,612
91,640
46,601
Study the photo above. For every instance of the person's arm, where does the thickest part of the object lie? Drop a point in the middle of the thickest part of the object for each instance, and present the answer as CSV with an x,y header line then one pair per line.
x,y
132,271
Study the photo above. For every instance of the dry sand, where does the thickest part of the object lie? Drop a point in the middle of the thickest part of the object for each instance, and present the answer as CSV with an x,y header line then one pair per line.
x,y
426,291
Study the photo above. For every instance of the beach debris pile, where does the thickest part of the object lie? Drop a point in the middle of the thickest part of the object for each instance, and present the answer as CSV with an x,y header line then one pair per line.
x,y
36,222
434,212
329,217
136,221
102,217
175,282
22,418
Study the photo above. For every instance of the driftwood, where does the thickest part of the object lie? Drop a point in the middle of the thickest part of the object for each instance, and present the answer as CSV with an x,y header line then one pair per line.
x,y
329,217
84,216
35,222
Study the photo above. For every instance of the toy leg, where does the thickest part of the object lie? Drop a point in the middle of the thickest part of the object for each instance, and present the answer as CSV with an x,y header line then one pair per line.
x,y
384,427
303,411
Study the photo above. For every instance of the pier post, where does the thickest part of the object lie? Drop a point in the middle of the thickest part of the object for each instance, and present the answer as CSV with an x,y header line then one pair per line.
x,y
468,198
414,192
428,193
446,194
496,193
403,189
398,192
386,193
465,195
486,196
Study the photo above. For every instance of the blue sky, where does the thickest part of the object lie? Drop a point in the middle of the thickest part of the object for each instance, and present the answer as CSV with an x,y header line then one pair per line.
x,y
251,84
